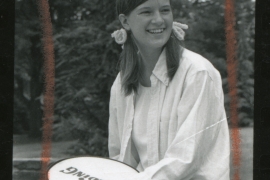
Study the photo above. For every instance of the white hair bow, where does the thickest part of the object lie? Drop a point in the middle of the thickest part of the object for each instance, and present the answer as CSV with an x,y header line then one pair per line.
x,y
178,30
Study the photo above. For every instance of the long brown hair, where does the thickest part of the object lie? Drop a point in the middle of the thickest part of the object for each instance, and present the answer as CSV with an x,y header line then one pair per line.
x,y
130,62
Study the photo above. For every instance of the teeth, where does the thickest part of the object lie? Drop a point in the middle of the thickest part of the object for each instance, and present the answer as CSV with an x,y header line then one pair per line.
x,y
156,31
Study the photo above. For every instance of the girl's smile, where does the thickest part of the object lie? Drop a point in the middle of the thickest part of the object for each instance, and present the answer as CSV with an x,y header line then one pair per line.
x,y
156,31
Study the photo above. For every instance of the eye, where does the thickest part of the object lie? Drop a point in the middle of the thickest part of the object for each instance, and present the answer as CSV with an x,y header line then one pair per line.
x,y
166,10
145,12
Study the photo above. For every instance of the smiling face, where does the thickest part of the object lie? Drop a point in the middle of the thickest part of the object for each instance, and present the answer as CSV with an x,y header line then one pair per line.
x,y
150,23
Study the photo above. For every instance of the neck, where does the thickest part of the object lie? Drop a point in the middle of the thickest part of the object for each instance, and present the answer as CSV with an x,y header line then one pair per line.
x,y
149,60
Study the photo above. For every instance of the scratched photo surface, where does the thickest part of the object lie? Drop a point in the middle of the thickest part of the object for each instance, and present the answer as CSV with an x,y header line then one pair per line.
x,y
66,62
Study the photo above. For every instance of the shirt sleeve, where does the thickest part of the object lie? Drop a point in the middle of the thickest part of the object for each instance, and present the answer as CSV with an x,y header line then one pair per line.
x,y
201,148
114,140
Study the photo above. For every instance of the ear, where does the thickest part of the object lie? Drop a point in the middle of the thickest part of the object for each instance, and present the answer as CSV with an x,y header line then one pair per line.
x,y
124,21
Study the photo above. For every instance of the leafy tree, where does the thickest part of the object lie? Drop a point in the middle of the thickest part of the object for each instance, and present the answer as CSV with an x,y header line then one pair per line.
x,y
245,24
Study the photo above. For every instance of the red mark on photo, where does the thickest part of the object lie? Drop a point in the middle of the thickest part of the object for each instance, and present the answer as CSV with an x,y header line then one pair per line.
x,y
49,72
231,52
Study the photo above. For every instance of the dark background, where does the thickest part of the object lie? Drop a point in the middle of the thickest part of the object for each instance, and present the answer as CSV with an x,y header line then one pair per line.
x,y
6,84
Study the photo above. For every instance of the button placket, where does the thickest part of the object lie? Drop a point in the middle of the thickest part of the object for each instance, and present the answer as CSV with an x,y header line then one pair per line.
x,y
155,123
152,123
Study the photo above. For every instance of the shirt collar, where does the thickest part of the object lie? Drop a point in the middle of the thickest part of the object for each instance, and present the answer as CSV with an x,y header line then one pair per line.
x,y
160,70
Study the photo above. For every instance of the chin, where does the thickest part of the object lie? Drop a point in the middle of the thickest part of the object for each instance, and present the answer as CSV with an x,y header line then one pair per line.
x,y
159,44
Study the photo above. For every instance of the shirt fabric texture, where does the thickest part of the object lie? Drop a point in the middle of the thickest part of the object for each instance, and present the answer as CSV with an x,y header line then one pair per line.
x,y
139,132
187,130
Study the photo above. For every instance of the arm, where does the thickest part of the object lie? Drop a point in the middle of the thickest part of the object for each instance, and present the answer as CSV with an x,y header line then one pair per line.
x,y
202,138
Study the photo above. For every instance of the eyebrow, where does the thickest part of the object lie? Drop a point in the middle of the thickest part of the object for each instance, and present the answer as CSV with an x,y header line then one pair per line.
x,y
165,6
143,8
146,8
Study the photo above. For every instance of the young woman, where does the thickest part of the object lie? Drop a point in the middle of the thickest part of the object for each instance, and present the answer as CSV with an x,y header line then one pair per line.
x,y
167,116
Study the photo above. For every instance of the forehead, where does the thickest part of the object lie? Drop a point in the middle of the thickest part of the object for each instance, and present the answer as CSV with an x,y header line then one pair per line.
x,y
154,3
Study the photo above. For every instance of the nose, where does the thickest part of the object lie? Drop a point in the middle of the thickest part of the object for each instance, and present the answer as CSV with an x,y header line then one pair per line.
x,y
158,19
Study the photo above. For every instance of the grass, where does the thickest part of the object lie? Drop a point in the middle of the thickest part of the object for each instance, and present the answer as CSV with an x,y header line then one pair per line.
x,y
31,148
246,155
246,167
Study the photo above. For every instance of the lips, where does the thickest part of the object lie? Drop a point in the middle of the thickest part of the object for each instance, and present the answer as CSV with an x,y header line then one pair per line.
x,y
156,31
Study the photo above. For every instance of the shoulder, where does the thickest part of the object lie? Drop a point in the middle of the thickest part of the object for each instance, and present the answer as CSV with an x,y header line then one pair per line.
x,y
192,63
195,69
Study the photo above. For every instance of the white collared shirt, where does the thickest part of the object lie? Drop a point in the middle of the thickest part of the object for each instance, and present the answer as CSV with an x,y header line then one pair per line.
x,y
187,131
139,130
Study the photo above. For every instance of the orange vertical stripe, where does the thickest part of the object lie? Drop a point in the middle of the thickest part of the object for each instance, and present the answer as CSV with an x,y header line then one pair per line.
x,y
231,52
49,72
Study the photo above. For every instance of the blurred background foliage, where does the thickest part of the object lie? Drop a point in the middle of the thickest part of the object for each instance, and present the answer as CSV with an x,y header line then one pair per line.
x,y
86,60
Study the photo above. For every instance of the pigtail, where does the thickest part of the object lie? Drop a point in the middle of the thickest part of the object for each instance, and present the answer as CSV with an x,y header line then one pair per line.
x,y
130,66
